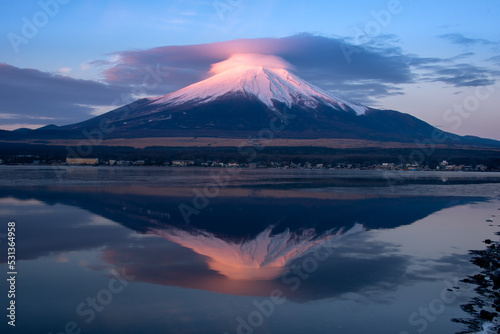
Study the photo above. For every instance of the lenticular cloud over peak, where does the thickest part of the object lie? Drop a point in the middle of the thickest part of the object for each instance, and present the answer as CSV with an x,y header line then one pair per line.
x,y
250,60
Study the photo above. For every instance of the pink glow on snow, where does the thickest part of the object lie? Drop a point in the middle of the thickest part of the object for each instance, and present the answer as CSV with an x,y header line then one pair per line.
x,y
264,258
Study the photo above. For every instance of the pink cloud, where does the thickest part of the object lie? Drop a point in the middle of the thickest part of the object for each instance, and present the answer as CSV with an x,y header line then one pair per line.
x,y
249,59
319,60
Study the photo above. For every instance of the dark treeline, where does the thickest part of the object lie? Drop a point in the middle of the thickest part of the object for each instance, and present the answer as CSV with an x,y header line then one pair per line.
x,y
14,153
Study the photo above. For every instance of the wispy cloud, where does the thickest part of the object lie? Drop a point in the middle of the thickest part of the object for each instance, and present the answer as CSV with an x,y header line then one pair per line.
x,y
17,116
459,75
462,40
495,60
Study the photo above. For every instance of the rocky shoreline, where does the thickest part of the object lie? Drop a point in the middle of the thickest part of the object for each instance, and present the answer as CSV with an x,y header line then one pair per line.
x,y
485,308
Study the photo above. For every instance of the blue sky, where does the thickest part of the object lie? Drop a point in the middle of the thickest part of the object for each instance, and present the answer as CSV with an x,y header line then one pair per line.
x,y
439,61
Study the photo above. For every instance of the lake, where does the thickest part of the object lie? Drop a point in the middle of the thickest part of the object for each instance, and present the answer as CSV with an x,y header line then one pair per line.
x,y
214,250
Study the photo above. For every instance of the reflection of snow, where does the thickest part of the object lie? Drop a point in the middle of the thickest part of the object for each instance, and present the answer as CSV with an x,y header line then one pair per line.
x,y
488,328
262,258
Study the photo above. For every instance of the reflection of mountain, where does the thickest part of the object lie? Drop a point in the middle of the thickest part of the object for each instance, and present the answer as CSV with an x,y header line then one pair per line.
x,y
262,258
238,226
243,216
355,265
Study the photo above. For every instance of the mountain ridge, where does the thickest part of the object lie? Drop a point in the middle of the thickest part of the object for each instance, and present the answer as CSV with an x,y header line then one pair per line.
x,y
246,96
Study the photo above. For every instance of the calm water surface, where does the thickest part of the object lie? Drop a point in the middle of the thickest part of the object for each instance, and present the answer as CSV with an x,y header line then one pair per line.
x,y
189,250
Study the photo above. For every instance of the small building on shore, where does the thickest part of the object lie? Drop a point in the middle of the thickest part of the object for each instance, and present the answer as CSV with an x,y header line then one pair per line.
x,y
82,161
182,163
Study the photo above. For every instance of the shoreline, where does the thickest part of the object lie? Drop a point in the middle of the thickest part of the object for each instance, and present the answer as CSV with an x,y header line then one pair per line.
x,y
484,309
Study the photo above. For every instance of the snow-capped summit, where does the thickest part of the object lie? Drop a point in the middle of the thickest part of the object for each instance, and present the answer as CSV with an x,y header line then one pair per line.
x,y
261,76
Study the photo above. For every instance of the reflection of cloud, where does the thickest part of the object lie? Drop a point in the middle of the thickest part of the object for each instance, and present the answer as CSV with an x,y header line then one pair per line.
x,y
262,258
18,202
74,229
84,263
62,258
96,220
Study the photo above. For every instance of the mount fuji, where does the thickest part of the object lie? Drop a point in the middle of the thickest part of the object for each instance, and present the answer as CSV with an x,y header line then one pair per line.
x,y
244,95
268,84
